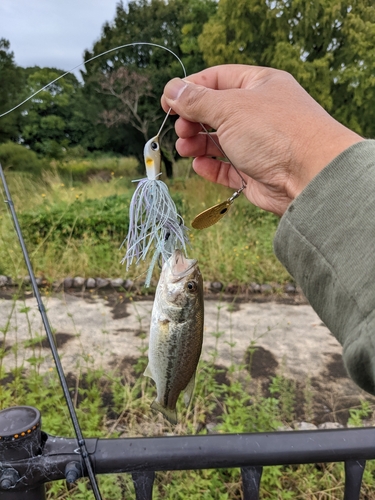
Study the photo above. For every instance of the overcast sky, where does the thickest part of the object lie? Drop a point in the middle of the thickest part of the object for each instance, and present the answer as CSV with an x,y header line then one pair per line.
x,y
53,33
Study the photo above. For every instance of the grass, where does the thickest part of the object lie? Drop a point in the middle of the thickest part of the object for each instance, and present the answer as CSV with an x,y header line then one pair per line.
x,y
113,403
102,168
53,209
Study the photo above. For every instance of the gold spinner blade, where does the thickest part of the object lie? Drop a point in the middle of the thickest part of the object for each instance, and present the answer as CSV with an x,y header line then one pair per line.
x,y
212,215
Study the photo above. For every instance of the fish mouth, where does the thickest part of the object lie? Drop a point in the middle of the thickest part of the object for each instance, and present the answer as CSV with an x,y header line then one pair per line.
x,y
181,266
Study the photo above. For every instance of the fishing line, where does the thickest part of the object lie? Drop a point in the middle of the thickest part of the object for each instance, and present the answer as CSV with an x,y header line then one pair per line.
x,y
209,216
42,310
73,416
92,59
223,153
133,44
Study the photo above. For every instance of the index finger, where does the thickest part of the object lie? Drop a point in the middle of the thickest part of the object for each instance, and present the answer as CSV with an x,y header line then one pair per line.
x,y
227,76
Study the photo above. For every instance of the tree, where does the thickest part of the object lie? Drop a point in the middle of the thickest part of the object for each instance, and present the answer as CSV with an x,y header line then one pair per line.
x,y
47,121
11,87
197,13
131,89
155,21
141,21
329,46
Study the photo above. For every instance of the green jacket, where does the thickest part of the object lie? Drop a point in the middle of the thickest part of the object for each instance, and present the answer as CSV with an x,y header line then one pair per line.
x,y
326,240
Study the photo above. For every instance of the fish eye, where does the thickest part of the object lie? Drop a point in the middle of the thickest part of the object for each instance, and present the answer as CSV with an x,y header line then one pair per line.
x,y
191,286
154,146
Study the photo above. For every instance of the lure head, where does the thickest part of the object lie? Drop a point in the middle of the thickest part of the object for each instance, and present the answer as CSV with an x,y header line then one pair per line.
x,y
152,156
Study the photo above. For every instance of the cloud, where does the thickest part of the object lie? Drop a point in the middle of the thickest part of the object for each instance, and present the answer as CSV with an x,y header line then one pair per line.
x,y
53,33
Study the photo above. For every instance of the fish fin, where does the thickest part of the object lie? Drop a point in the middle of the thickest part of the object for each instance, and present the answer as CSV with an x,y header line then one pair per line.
x,y
170,415
189,389
148,372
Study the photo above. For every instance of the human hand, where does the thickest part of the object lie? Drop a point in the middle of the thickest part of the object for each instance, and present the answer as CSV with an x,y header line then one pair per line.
x,y
268,125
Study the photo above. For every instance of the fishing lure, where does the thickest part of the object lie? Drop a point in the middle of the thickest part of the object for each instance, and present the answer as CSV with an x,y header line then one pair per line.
x,y
154,222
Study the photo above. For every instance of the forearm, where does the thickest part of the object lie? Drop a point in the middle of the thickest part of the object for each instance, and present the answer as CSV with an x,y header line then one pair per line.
x,y
326,240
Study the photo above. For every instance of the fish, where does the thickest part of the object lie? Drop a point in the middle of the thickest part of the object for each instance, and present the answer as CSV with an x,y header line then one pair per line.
x,y
176,333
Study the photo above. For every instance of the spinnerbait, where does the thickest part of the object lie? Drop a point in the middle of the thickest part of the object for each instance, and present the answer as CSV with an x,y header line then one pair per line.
x,y
153,218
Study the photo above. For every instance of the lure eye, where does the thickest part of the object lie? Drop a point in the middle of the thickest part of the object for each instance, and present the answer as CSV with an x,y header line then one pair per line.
x,y
191,286
154,146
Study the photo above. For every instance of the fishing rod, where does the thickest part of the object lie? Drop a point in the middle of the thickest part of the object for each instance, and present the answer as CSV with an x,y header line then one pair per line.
x,y
73,415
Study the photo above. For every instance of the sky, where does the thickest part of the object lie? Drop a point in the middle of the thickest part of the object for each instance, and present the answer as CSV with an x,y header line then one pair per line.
x,y
53,33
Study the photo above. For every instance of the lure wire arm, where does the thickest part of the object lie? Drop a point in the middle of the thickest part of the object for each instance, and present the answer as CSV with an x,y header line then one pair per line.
x,y
236,194
165,119
223,153
55,354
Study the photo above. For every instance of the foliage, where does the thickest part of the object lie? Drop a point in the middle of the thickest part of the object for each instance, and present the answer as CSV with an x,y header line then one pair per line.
x,y
328,46
239,247
48,121
75,228
175,25
11,87
129,90
20,159
93,219
102,168
358,415
197,14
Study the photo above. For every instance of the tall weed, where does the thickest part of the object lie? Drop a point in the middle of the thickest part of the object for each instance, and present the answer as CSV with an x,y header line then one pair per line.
x,y
75,228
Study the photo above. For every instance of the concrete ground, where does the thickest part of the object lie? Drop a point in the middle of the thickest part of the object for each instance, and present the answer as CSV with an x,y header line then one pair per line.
x,y
110,330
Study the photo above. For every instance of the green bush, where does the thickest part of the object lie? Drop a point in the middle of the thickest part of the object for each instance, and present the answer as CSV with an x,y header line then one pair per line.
x,y
97,219
18,158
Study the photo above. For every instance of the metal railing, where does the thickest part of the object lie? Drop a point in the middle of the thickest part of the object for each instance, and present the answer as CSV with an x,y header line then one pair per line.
x,y
29,458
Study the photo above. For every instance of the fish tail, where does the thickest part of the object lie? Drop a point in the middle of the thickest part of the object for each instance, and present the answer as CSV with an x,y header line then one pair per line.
x,y
170,415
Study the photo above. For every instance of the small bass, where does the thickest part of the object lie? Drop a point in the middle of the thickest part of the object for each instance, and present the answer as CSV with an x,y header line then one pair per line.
x,y
176,333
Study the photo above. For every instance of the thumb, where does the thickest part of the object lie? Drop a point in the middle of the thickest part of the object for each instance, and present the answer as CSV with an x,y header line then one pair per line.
x,y
195,103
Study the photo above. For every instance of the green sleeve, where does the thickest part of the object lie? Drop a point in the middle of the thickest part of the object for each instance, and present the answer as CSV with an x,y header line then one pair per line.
x,y
326,240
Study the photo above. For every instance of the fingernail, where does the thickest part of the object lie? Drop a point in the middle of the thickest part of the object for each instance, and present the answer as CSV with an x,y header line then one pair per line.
x,y
174,88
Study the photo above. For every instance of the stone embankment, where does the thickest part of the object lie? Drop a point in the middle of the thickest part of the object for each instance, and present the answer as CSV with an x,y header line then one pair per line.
x,y
81,283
